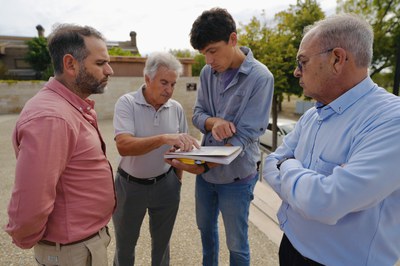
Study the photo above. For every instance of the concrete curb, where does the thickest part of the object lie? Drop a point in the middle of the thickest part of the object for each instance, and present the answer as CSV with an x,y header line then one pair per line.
x,y
263,212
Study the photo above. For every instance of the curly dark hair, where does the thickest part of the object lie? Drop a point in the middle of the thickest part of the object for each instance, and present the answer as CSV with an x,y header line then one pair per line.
x,y
211,26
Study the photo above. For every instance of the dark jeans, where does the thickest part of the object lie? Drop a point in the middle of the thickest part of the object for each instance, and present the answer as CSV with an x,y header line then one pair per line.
x,y
289,256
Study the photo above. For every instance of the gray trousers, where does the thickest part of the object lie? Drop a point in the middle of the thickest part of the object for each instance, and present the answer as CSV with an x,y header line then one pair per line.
x,y
161,200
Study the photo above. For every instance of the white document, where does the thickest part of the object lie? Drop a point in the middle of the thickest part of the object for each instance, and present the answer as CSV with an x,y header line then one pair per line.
x,y
214,154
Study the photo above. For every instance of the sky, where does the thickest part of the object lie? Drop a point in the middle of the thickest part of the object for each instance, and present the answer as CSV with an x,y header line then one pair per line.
x,y
159,25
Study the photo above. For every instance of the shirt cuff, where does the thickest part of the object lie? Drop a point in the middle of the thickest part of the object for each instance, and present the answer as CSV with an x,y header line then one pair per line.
x,y
290,163
202,123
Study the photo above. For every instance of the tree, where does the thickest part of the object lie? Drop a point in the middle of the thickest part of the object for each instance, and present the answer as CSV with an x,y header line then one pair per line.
x,y
118,51
199,59
384,17
291,24
186,53
199,63
39,58
276,47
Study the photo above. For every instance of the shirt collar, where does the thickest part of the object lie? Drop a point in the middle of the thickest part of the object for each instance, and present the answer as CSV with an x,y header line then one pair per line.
x,y
59,88
141,100
246,65
351,96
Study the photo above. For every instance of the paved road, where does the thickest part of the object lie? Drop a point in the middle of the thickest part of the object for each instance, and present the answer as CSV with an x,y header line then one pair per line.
x,y
185,243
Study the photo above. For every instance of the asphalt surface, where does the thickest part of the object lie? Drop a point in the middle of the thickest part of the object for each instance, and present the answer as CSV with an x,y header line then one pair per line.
x,y
185,242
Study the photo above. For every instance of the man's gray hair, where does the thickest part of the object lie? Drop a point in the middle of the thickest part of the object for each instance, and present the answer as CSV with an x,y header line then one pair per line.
x,y
348,31
157,59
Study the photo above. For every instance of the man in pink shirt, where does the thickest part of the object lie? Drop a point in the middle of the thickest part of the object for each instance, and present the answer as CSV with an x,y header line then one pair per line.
x,y
63,196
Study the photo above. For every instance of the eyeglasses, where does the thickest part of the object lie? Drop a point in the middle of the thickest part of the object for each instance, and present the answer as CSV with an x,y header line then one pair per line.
x,y
300,64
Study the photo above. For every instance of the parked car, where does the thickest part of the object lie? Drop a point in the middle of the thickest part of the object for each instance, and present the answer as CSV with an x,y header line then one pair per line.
x,y
284,126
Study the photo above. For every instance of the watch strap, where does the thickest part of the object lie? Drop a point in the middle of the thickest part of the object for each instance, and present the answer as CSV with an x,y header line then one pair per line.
x,y
206,168
281,161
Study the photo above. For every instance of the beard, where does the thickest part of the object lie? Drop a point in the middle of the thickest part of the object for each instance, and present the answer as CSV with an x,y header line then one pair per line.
x,y
87,83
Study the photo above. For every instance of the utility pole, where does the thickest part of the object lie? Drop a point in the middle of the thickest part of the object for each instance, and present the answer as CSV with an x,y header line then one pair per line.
x,y
274,122
396,83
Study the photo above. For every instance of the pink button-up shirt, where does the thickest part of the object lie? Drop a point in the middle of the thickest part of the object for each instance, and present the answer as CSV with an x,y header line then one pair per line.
x,y
64,188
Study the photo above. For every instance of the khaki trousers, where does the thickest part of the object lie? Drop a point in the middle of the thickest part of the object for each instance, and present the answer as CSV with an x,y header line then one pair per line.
x,y
92,252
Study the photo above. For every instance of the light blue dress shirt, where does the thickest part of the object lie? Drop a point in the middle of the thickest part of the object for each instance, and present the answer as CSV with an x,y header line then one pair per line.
x,y
246,102
341,195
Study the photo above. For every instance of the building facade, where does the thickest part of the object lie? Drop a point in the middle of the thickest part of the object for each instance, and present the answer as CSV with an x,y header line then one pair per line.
x,y
13,50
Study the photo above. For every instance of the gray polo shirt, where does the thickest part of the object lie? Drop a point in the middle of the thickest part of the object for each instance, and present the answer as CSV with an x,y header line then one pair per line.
x,y
133,115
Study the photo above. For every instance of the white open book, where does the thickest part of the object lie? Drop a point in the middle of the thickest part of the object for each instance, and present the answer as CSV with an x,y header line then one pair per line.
x,y
215,154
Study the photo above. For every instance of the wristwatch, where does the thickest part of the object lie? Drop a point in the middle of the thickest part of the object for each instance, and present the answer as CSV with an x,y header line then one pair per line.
x,y
206,168
278,164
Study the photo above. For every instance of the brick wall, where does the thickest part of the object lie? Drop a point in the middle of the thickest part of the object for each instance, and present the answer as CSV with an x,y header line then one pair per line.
x,y
131,66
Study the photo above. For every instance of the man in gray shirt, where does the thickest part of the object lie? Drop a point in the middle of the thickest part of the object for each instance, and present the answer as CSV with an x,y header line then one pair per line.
x,y
147,124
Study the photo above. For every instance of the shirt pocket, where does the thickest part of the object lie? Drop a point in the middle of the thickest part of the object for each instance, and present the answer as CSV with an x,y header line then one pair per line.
x,y
234,103
324,167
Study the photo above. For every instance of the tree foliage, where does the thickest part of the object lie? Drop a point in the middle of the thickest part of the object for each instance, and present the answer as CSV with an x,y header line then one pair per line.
x,y
199,63
186,53
276,47
199,59
118,51
384,17
39,58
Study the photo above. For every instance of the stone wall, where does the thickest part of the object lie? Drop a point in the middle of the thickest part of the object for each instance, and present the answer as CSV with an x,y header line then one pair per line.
x,y
13,95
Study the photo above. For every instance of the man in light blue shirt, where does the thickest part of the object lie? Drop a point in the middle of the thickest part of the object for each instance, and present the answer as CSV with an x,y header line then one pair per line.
x,y
337,172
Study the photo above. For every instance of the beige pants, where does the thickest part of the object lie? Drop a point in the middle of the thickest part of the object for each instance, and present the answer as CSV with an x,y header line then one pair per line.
x,y
92,252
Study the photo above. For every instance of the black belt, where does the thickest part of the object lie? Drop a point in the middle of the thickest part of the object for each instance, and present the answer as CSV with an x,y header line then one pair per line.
x,y
147,181
51,243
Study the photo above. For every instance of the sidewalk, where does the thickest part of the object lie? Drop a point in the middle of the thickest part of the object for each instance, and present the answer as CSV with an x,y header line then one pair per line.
x,y
185,243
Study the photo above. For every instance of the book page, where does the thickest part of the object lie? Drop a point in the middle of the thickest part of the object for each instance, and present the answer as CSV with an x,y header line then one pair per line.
x,y
208,151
